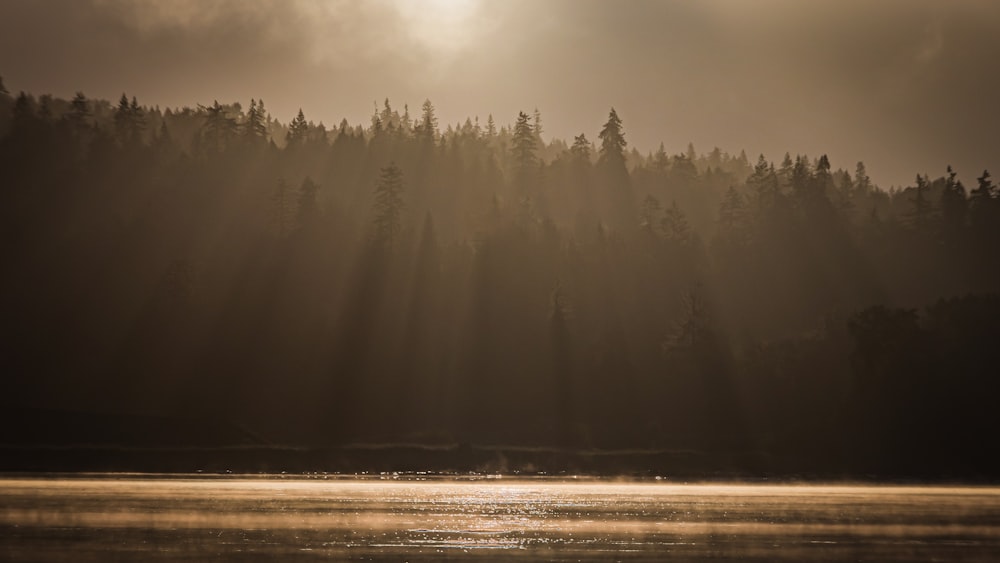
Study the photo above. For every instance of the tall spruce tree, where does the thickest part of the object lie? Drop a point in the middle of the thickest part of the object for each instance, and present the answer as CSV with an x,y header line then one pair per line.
x,y
523,147
612,153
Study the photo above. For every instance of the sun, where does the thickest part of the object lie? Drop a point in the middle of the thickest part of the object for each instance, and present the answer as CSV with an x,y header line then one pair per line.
x,y
444,11
442,25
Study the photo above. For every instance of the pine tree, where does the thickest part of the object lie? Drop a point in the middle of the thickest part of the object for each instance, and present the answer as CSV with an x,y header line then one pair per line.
x,y
785,173
123,120
129,120
406,124
581,148
983,205
428,129
255,128
954,208
298,129
523,147
661,161
985,189
862,183
821,176
612,153
137,123
921,204
219,127
387,116
764,183
79,113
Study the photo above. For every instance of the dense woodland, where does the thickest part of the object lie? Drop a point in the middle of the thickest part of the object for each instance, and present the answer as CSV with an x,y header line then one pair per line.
x,y
405,281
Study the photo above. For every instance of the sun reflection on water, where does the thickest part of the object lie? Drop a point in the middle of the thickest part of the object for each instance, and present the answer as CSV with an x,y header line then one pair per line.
x,y
507,514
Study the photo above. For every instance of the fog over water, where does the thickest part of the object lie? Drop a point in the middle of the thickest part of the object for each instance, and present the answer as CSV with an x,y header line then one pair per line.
x,y
489,518
906,86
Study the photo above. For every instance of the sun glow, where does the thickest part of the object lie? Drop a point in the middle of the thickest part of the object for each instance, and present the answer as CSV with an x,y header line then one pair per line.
x,y
442,25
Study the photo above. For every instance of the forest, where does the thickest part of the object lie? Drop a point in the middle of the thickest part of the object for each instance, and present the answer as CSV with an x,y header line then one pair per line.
x,y
405,281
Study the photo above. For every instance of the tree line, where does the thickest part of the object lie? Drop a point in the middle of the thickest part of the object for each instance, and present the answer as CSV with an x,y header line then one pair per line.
x,y
478,283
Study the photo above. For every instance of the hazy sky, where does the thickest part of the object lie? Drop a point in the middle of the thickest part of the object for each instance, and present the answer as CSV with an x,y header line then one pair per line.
x,y
906,85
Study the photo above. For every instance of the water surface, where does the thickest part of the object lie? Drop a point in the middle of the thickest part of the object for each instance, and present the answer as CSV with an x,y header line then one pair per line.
x,y
138,518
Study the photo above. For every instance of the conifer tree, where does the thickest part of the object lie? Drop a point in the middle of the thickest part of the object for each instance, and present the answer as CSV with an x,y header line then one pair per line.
x,y
523,147
983,204
297,130
954,207
862,183
661,162
428,129
581,148
129,121
219,127
921,211
79,113
612,153
255,127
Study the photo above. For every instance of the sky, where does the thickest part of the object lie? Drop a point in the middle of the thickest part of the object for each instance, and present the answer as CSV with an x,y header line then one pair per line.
x,y
907,86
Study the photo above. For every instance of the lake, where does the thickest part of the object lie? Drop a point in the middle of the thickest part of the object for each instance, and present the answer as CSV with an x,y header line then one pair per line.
x,y
486,518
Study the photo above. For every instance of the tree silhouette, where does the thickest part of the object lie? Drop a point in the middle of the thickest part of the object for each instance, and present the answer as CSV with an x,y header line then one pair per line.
x,y
171,269
523,147
129,121
862,183
298,130
428,128
581,148
617,195
255,126
79,113
920,215
954,209
612,153
219,127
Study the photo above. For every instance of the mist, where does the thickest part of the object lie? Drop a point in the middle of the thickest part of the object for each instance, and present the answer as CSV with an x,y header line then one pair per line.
x,y
677,234
905,86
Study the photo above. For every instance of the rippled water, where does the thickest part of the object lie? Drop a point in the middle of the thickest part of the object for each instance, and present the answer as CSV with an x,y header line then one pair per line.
x,y
134,518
